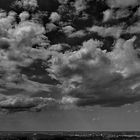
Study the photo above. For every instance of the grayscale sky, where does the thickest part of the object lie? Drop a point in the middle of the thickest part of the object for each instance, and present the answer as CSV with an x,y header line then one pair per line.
x,y
69,65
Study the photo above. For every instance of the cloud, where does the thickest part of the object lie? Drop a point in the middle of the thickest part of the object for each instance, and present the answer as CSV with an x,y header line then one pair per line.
x,y
24,16
78,34
107,15
63,1
115,31
68,100
3,14
95,77
134,29
80,5
27,30
138,12
50,27
38,73
122,3
4,43
54,17
7,21
24,103
119,14
26,4
17,53
68,30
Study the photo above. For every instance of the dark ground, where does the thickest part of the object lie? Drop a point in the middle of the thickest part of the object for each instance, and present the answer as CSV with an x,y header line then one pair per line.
x,y
69,136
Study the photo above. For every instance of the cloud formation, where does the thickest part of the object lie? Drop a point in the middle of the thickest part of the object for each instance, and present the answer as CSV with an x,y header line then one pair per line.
x,y
109,31
122,4
75,55
95,77
17,53
26,4
24,103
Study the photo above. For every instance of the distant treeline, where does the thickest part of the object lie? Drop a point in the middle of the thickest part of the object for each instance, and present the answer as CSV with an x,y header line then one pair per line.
x,y
60,137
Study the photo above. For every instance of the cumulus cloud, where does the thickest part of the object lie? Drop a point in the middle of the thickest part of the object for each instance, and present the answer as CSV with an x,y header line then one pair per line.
x,y
6,22
68,30
107,15
68,100
16,53
122,3
115,31
3,14
54,17
134,29
94,77
121,13
50,27
80,5
38,69
24,16
78,34
27,30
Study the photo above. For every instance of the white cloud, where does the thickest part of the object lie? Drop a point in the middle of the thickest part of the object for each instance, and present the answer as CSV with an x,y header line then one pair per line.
x,y
51,27
79,34
97,77
24,16
68,100
3,14
115,31
6,22
107,15
122,3
68,30
16,53
27,30
54,17
121,13
134,28
80,5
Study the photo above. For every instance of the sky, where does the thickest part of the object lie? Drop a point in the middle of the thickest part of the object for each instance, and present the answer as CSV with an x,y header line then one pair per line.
x,y
69,65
